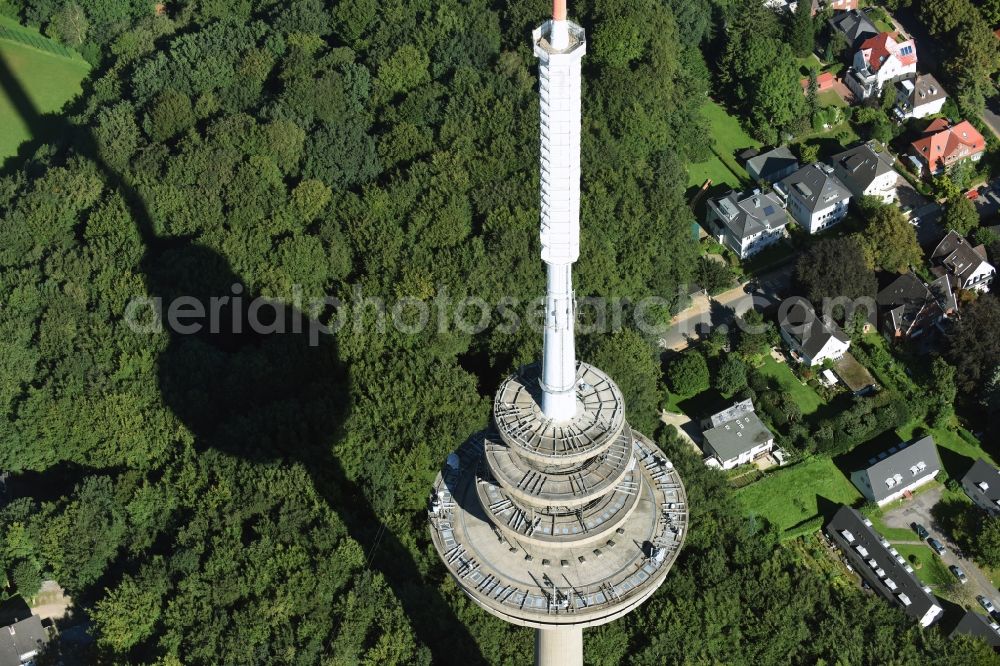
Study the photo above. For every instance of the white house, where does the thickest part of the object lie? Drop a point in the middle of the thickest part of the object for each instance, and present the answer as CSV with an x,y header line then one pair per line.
x,y
965,265
739,438
881,60
810,338
815,197
747,223
867,171
919,97
903,468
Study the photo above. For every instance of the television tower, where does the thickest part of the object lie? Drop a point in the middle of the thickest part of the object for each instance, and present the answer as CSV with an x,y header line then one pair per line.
x,y
559,516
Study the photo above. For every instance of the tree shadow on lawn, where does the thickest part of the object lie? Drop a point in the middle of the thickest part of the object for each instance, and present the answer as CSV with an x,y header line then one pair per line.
x,y
266,397
861,456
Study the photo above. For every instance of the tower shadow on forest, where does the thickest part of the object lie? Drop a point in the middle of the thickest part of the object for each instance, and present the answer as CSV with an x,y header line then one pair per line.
x,y
266,398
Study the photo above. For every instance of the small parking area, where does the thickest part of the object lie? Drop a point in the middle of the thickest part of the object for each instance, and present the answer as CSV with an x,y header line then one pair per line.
x,y
918,510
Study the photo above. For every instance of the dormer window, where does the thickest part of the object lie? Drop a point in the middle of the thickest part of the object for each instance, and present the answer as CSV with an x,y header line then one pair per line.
x,y
983,486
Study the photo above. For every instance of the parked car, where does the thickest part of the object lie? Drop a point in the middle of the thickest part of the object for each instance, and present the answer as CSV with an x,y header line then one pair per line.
x,y
920,530
936,545
986,603
959,574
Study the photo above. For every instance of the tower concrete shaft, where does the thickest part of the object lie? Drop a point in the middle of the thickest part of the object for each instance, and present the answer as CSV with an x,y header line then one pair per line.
x,y
560,46
559,516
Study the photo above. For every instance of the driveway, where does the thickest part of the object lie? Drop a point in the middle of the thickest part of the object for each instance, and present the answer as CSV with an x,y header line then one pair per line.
x,y
706,313
686,428
918,510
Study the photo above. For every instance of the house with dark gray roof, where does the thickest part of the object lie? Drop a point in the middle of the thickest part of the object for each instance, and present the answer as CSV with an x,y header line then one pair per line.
x,y
810,339
965,265
978,626
878,563
815,196
867,172
982,484
911,309
747,223
899,471
772,166
854,26
22,641
919,97
737,441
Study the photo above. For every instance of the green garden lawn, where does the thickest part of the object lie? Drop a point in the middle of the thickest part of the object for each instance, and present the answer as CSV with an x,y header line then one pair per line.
x,y
933,572
729,139
49,80
806,398
789,496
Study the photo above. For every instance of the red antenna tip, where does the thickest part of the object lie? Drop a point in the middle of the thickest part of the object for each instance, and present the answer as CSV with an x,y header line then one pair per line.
x,y
559,10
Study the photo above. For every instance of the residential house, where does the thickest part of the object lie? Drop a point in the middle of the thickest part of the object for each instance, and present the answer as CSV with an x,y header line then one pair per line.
x,y
738,440
867,172
979,626
879,564
810,339
899,471
854,26
982,484
878,61
21,641
747,223
944,145
772,166
816,198
911,309
965,266
919,97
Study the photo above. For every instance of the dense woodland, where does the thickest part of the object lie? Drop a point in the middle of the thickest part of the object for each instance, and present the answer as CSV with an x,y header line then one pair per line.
x,y
253,499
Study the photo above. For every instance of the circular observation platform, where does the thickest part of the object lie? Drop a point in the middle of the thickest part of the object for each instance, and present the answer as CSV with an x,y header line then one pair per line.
x,y
520,422
559,582
573,486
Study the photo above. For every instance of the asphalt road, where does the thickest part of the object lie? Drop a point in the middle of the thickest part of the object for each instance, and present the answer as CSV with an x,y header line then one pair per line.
x,y
918,510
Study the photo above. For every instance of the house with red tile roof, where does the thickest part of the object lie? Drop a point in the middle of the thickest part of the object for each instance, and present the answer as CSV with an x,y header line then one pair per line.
x,y
944,145
880,60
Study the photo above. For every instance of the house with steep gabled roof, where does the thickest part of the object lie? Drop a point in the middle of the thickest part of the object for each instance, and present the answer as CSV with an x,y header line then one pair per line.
x,y
21,641
911,309
816,198
854,26
878,61
811,339
982,484
747,223
919,97
944,145
772,165
979,626
867,172
964,265
899,471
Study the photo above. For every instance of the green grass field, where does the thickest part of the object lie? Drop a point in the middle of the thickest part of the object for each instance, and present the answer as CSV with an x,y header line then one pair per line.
x,y
933,572
48,79
830,98
806,398
729,139
789,496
